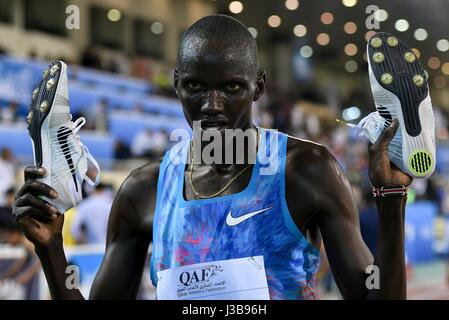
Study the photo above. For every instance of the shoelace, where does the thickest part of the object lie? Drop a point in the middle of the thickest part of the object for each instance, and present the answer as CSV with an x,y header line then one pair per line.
x,y
363,126
72,129
371,126
360,127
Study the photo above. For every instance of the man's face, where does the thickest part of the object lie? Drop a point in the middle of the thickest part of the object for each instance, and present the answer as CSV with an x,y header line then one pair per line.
x,y
217,86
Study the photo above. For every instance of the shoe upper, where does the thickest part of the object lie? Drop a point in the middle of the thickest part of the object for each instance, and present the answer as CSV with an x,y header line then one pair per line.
x,y
64,156
372,126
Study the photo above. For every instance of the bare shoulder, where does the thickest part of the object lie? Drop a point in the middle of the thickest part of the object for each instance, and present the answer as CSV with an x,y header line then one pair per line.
x,y
309,157
136,200
142,178
314,167
314,163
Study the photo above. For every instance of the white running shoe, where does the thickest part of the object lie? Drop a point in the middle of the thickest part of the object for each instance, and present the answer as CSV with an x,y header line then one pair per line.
x,y
400,91
56,147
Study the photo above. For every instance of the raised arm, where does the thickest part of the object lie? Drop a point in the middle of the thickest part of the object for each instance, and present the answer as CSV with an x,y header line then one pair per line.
x,y
338,221
129,234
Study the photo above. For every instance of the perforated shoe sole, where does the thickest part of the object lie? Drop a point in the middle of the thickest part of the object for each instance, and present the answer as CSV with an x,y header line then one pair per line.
x,y
42,101
400,91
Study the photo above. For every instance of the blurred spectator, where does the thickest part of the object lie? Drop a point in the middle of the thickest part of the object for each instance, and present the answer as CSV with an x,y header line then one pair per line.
x,y
138,108
8,167
121,150
141,68
90,59
101,115
6,209
32,54
160,142
96,116
445,200
279,110
113,65
20,278
325,277
149,143
425,189
369,224
90,222
313,126
163,81
142,143
8,114
297,121
123,64
266,119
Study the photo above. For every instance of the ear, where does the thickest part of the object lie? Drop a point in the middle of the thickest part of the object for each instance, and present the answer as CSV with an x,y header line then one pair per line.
x,y
260,84
176,80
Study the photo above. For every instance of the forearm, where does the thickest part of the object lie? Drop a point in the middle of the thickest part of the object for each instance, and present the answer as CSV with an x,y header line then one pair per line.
x,y
107,285
390,255
54,263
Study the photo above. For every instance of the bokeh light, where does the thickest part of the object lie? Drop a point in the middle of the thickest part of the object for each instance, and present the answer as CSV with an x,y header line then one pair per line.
x,y
274,21
351,66
323,39
351,49
236,7
306,51
114,15
327,18
300,30
401,25
434,63
349,3
350,27
292,4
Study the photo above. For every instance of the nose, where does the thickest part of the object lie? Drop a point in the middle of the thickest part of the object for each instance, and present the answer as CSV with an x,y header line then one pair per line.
x,y
213,103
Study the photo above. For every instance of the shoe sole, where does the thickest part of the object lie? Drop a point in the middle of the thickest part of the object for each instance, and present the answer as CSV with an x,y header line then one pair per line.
x,y
42,102
397,69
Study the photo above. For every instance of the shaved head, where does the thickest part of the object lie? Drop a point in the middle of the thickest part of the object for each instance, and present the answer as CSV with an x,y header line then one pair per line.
x,y
219,35
217,77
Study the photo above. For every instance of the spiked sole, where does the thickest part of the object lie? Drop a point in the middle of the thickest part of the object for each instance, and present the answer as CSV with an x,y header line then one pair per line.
x,y
41,104
398,70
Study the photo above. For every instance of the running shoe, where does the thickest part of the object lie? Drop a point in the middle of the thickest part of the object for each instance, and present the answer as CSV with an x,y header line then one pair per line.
x,y
400,91
56,145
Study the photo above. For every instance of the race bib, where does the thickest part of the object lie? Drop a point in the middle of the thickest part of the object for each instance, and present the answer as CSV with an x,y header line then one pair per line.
x,y
235,279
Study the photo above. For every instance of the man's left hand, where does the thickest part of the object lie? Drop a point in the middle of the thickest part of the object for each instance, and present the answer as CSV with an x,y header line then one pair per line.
x,y
382,172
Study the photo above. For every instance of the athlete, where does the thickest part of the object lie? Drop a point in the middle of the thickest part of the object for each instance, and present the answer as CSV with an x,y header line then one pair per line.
x,y
196,213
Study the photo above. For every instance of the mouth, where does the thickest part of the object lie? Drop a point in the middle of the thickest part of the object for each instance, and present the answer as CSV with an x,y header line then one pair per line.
x,y
211,123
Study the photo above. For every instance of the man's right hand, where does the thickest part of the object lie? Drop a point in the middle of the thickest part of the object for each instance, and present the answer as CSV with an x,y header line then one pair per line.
x,y
40,221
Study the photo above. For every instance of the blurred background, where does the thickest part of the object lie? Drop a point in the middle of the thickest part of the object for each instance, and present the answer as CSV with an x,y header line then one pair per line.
x,y
120,57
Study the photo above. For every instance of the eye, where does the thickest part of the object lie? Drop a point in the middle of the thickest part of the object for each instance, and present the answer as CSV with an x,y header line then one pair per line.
x,y
193,85
233,86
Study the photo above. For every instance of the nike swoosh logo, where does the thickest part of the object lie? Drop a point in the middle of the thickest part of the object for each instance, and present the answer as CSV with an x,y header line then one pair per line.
x,y
63,134
231,221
